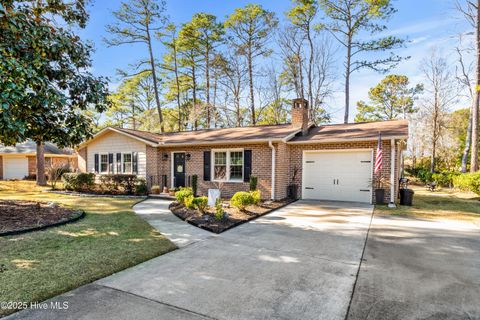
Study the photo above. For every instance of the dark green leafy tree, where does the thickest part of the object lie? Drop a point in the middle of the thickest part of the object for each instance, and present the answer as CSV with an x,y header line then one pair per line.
x,y
348,20
393,98
45,85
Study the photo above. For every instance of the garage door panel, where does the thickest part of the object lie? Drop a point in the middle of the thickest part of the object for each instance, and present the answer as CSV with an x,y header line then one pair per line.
x,y
341,176
15,167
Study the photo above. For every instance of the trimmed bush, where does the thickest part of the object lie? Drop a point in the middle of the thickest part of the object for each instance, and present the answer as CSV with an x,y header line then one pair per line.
x,y
257,196
200,203
78,181
141,187
253,183
119,182
182,194
242,199
188,201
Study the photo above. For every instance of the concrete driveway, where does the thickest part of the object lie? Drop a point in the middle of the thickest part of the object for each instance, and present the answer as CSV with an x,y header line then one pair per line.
x,y
419,269
299,262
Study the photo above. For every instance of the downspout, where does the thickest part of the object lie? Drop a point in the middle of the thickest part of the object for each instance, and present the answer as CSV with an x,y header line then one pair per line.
x,y
393,163
270,144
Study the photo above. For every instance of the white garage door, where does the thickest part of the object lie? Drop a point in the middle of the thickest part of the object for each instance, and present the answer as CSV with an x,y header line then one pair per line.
x,y
15,167
342,176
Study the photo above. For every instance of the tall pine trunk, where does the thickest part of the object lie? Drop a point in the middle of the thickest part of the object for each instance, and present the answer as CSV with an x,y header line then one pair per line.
x,y
155,81
347,80
41,180
250,75
177,84
310,66
207,76
468,143
474,156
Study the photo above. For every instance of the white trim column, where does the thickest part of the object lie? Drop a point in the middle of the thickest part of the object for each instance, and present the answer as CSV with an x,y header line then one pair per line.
x,y
393,163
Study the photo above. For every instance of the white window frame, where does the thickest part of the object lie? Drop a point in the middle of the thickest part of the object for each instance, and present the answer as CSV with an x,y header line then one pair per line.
x,y
131,163
100,163
228,152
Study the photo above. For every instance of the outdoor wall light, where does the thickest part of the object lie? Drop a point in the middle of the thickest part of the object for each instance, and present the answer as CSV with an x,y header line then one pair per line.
x,y
188,156
165,156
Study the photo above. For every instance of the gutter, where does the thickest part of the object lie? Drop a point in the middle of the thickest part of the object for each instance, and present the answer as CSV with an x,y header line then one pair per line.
x,y
347,140
270,144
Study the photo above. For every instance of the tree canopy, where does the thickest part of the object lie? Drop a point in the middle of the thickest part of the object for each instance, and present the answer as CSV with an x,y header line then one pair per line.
x,y
393,98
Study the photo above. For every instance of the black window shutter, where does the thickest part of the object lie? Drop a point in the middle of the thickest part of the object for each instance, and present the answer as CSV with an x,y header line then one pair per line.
x,y
110,163
247,165
207,168
96,162
119,163
135,162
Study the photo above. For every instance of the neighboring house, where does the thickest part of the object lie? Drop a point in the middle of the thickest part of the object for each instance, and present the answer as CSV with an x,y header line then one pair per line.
x,y
19,161
331,162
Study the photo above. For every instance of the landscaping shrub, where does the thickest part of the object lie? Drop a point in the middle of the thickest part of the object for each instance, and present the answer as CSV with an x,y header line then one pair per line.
x,y
445,178
257,196
119,182
141,187
253,183
468,182
200,203
182,194
242,199
188,201
219,210
78,181
194,184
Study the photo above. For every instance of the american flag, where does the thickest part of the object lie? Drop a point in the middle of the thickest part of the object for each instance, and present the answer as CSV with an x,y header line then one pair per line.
x,y
379,157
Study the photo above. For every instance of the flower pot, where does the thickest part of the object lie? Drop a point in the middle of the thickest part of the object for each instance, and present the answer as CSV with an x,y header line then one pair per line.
x,y
379,196
165,190
171,193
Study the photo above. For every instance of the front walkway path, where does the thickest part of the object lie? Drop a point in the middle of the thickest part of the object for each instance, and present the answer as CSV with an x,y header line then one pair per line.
x,y
299,262
156,212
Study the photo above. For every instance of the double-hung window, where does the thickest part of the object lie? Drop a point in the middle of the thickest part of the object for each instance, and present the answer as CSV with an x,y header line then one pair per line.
x,y
127,162
104,163
227,165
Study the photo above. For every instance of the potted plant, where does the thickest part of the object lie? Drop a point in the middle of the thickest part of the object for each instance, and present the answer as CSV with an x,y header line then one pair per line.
x,y
379,184
155,189
165,189
171,192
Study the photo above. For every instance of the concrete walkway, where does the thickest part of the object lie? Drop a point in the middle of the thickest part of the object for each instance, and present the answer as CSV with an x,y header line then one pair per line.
x,y
299,262
156,212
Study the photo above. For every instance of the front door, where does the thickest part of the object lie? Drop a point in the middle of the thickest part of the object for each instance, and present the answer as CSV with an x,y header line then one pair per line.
x,y
179,169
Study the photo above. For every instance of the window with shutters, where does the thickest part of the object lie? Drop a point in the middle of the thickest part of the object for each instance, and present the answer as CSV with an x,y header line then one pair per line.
x,y
104,163
227,165
127,162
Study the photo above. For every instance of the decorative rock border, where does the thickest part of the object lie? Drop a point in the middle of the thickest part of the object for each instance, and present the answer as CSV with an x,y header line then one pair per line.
x,y
80,214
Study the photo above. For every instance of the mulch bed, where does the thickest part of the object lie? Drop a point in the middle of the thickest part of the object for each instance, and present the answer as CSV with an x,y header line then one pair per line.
x,y
236,217
22,216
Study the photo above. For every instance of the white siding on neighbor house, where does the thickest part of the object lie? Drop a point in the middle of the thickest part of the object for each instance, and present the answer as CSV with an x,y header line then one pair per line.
x,y
113,142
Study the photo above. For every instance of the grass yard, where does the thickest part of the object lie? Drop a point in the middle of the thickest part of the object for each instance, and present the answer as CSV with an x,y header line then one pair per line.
x,y
38,265
441,204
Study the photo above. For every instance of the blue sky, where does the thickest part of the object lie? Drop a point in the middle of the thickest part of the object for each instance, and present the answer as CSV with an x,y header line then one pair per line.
x,y
426,23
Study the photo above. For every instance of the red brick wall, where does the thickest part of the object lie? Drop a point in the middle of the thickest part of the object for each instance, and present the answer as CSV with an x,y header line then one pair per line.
x,y
282,170
1,168
296,153
32,163
261,167
153,166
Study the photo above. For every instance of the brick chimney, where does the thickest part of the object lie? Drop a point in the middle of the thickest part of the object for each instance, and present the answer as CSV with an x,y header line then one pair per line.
x,y
300,115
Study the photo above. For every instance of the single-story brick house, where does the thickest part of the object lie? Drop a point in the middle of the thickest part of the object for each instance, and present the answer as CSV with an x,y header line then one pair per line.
x,y
332,162
20,162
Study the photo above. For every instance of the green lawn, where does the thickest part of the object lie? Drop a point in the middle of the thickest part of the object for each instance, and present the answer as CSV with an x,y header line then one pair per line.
x,y
39,265
441,204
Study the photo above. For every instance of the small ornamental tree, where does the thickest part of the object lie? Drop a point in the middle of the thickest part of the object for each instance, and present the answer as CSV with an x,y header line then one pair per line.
x,y
46,86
